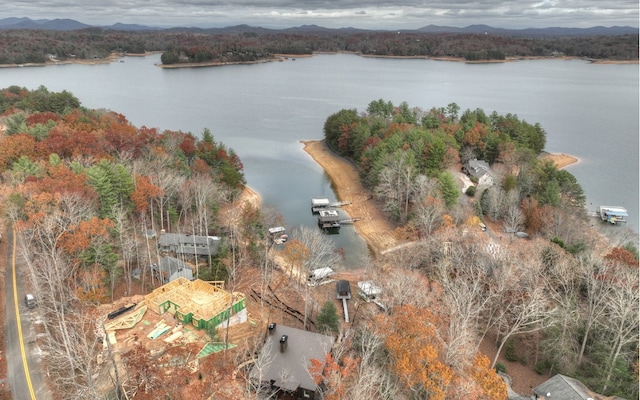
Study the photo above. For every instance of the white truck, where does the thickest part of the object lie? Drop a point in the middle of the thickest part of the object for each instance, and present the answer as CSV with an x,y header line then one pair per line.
x,y
30,300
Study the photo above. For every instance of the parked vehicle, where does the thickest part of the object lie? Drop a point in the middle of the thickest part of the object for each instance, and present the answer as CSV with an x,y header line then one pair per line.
x,y
30,300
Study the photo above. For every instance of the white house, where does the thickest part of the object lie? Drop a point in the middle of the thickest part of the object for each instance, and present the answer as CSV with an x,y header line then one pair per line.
x,y
480,170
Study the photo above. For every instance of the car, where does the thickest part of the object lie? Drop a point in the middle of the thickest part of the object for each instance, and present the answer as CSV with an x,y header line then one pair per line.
x,y
30,300
483,226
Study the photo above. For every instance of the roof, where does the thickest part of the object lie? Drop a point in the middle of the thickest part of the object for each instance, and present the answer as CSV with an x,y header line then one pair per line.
x,y
563,387
171,267
321,273
343,286
290,369
478,168
615,210
189,244
276,230
369,288
320,201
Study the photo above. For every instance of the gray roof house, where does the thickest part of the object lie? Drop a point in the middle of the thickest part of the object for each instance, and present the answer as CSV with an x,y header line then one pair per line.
x,y
170,269
481,171
286,357
565,388
188,245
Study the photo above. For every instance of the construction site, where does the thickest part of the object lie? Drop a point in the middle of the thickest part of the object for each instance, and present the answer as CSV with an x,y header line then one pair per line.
x,y
190,316
185,327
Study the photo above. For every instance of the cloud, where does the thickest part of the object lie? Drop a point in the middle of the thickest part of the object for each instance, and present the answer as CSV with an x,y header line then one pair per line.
x,y
369,14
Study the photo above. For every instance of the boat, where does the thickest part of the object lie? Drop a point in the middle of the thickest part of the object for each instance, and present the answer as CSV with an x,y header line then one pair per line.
x,y
612,214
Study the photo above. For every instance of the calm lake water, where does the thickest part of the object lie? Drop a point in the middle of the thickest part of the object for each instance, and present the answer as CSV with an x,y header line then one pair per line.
x,y
262,111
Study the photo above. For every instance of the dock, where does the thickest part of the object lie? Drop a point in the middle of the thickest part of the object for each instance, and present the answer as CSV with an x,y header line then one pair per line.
x,y
343,292
349,221
329,219
323,203
278,234
612,214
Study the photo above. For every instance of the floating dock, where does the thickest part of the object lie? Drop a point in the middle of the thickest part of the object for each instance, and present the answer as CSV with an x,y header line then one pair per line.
x,y
323,203
329,219
612,214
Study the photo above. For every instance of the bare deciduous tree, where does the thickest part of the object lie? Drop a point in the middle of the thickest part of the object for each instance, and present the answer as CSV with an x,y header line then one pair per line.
x,y
513,215
396,184
320,253
468,295
525,305
622,314
428,216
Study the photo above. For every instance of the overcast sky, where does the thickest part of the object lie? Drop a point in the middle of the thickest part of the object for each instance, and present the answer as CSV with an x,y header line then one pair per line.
x,y
366,14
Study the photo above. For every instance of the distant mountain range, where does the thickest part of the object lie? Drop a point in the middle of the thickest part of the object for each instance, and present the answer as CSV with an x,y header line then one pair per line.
x,y
72,25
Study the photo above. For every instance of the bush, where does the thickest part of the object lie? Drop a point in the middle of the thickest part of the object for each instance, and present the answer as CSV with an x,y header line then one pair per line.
x,y
500,367
510,352
471,191
542,367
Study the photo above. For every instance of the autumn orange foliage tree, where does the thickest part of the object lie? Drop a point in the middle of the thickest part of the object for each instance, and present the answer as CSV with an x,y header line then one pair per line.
x,y
415,348
493,387
295,252
334,375
622,256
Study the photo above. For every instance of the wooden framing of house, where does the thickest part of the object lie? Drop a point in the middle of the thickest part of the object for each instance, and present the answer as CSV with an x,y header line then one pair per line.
x,y
205,305
128,321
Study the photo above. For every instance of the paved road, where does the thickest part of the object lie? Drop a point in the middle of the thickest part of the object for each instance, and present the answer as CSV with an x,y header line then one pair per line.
x,y
24,373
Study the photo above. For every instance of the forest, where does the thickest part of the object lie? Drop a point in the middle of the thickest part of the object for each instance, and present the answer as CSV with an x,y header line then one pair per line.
x,y
84,188
42,46
408,158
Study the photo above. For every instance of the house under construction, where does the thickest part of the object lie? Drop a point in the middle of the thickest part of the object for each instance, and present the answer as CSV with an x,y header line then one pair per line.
x,y
202,304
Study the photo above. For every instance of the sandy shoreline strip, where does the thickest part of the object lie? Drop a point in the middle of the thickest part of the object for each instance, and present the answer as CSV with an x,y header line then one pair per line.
x,y
373,226
560,160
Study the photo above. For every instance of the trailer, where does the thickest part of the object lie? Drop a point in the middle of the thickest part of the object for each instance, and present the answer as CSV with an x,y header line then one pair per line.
x,y
612,214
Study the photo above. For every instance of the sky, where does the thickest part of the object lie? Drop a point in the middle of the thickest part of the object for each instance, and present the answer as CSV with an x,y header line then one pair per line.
x,y
364,14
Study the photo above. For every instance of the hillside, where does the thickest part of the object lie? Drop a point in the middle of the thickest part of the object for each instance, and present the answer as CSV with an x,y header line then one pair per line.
x,y
64,40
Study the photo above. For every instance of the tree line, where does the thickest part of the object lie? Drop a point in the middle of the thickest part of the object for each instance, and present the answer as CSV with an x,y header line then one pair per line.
x,y
37,46
404,155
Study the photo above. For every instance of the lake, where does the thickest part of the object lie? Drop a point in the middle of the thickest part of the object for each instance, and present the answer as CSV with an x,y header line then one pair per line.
x,y
262,111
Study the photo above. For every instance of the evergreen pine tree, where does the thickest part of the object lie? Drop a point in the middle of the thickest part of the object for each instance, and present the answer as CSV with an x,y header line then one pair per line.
x,y
328,321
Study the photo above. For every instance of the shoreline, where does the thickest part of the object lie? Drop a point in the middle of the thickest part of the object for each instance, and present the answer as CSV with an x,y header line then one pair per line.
x,y
560,160
374,228
284,57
